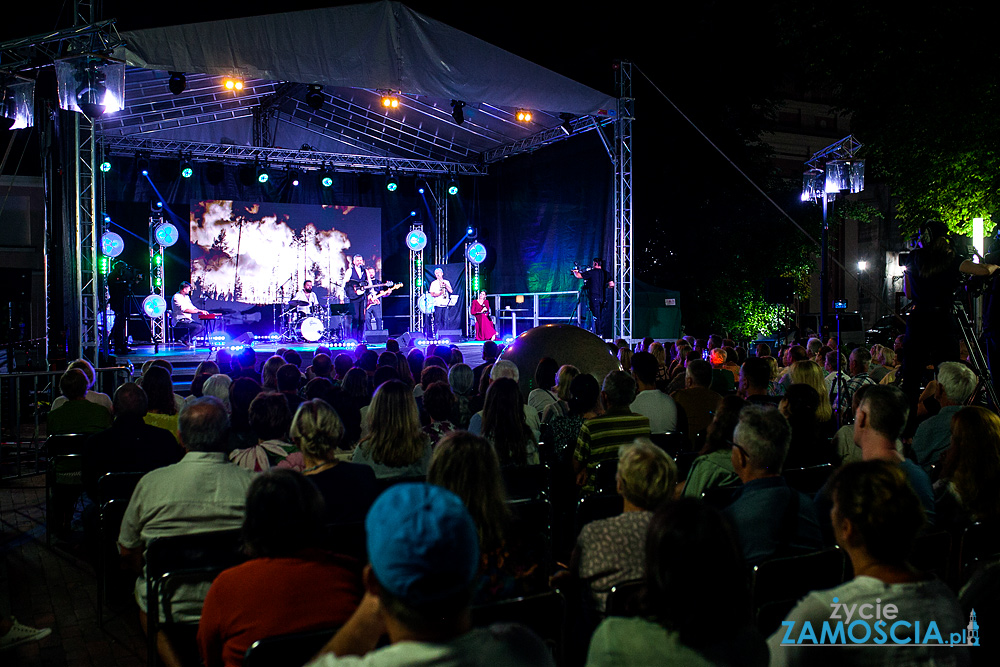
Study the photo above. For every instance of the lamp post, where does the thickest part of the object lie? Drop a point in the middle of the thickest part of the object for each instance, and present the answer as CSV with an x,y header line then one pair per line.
x,y
862,266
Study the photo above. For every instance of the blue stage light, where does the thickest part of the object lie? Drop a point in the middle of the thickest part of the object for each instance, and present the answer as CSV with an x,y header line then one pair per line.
x,y
476,253
112,244
416,240
154,305
166,234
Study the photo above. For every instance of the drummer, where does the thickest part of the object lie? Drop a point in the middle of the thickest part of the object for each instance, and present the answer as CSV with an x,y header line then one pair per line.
x,y
305,301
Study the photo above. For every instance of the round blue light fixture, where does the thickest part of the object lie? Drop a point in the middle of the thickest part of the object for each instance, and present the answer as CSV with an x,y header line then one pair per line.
x,y
154,305
187,171
112,244
106,166
416,240
476,253
166,234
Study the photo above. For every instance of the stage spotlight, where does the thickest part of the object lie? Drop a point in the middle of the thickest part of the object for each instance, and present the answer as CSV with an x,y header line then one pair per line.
x,y
91,94
154,306
112,244
177,83
187,170
293,177
389,100
523,116
391,183
17,104
262,175
567,126
453,187
166,234
416,240
314,98
476,253
413,214
142,164
155,206
456,111
471,232
325,178
106,166
233,83
422,186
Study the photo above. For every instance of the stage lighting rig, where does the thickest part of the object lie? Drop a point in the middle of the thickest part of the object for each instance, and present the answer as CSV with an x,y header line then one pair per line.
x,y
456,111
17,103
567,125
453,187
293,177
314,97
325,177
388,99
391,182
262,174
523,116
233,83
106,166
177,83
142,164
187,169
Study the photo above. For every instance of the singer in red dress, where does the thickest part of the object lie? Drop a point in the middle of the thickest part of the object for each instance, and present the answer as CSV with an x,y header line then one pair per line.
x,y
481,311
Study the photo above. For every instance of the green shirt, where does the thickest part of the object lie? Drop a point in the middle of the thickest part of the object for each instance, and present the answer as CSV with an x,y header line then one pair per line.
x,y
710,471
621,642
78,417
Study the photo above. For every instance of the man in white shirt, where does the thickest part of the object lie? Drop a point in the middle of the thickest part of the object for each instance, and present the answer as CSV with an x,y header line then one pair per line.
x,y
184,324
307,296
441,290
650,401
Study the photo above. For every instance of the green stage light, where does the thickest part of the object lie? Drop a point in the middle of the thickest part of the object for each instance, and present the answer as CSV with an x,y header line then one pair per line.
x,y
106,166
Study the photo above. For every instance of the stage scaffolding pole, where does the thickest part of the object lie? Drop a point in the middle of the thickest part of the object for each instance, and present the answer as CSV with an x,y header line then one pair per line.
x,y
624,253
87,342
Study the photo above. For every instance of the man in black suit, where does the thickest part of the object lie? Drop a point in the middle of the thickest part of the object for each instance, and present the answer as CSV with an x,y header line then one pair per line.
x,y
355,290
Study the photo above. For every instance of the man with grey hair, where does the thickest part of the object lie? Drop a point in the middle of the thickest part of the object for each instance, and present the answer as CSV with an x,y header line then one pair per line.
x,y
600,437
771,519
202,493
507,369
956,383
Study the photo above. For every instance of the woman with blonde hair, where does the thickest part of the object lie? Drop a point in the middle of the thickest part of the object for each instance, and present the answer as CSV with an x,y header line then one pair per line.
x,y
967,489
395,444
564,378
269,373
809,372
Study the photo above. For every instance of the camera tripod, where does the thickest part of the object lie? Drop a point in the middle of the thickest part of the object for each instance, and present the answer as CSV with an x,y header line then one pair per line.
x,y
976,356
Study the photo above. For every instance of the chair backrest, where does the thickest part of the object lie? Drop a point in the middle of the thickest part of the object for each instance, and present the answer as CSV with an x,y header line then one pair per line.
x,y
604,474
526,481
980,542
291,650
932,553
544,614
719,497
596,507
383,483
66,443
781,580
117,485
673,442
808,480
623,600
66,470
684,461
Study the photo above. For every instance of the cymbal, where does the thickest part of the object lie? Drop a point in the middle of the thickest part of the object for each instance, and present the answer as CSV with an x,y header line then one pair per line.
x,y
296,302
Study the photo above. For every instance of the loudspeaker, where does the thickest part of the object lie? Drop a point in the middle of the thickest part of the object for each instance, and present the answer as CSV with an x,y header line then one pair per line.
x,y
377,336
779,290
454,335
410,338
244,338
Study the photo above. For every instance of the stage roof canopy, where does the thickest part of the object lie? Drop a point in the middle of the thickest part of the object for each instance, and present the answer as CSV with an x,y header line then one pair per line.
x,y
355,53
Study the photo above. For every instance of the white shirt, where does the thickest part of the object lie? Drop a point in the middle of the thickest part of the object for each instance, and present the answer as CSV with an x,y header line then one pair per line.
x,y
659,407
440,287
182,302
93,396
309,297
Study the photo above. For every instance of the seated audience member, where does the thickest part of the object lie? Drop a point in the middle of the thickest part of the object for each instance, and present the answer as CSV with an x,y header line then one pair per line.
x,y
543,395
809,373
244,365
809,446
460,378
225,361
970,472
876,518
92,396
755,381
77,414
322,367
341,364
885,362
662,370
292,357
857,367
403,369
438,404
770,518
289,585
394,444
424,553
505,369
130,445
713,468
269,373
693,572
584,403
218,385
203,493
269,419
723,379
650,401
384,374
564,378
468,466
289,380
490,353
600,437
241,395
348,488
955,385
678,380
205,370
159,390
428,376
697,401
505,427
612,551
835,383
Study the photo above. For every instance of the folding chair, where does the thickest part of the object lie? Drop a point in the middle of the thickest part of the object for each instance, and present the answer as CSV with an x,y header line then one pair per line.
x,y
292,650
110,521
63,485
544,614
808,480
117,486
623,600
778,584
526,482
979,542
596,507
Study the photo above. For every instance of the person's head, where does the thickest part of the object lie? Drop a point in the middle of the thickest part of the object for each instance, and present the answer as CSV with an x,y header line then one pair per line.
x,y
883,410
225,361
218,385
956,383
341,364
859,361
809,373
482,294
384,374
386,359
270,416
755,376
618,390
490,350
761,440
307,286
241,393
184,288
717,357
597,263
694,571
288,378
456,356
203,425
504,422
368,361
625,358
424,553
370,271
130,402
564,378
719,434
468,466
972,463
317,430
698,373
434,360
247,358
584,394
461,377
321,388
545,373
73,384
88,371
646,475
659,352
207,368
159,390
834,357
795,353
432,374
799,405
269,372
322,366
359,260
285,514
763,350
875,510
439,273
392,345
392,422
813,346
438,401
505,369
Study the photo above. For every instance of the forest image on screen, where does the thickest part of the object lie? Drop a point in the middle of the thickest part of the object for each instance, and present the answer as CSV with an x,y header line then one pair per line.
x,y
260,253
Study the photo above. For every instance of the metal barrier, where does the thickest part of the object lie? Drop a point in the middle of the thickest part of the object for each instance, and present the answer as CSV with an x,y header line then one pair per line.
x,y
559,307
25,399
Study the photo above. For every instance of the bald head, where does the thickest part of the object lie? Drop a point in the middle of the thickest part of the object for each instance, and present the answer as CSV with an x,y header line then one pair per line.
x,y
130,401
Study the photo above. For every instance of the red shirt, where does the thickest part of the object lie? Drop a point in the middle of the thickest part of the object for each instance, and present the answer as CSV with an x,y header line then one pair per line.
x,y
274,596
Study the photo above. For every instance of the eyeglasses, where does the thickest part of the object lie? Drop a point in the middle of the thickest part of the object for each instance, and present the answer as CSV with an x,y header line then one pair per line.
x,y
742,449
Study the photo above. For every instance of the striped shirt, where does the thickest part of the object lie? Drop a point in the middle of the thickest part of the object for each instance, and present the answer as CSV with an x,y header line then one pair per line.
x,y
600,438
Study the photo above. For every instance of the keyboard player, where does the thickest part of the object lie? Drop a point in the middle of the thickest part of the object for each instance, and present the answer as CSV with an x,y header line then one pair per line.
x,y
185,326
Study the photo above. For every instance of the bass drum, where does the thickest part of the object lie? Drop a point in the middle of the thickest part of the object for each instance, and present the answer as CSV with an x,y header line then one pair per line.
x,y
311,329
426,304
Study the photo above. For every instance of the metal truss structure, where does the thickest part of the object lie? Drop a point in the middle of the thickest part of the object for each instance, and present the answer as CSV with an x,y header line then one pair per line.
x,y
624,253
86,276
416,283
157,325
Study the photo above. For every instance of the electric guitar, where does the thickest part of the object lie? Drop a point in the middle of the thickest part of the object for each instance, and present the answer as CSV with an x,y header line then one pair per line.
x,y
375,299
355,289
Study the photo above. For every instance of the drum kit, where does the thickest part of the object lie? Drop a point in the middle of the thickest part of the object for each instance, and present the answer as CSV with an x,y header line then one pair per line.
x,y
317,324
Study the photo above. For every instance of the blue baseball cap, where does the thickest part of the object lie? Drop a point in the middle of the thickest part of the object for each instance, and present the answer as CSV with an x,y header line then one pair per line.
x,y
422,544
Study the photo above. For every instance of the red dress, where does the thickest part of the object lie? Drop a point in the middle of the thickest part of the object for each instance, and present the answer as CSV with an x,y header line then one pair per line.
x,y
484,327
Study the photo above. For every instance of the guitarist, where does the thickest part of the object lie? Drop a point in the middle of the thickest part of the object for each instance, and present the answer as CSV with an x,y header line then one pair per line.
x,y
356,291
373,311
